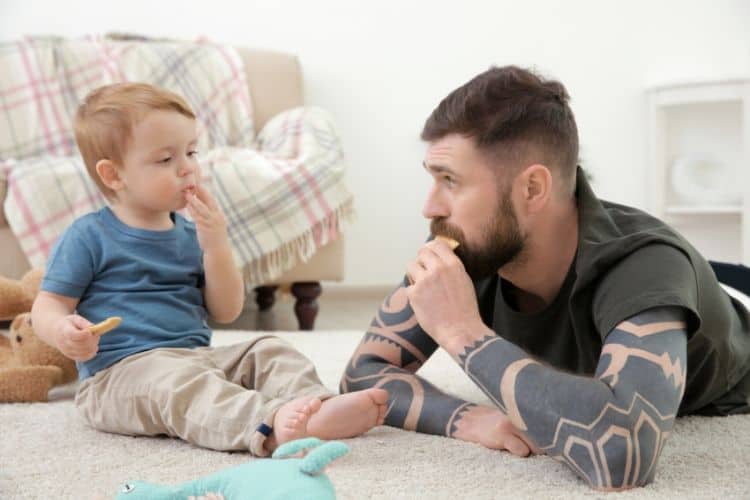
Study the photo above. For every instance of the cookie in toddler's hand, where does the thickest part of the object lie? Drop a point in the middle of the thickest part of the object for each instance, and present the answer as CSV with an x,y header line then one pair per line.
x,y
453,244
108,324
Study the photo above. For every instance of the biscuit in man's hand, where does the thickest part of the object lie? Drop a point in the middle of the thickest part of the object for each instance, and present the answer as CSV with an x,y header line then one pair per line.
x,y
448,241
106,325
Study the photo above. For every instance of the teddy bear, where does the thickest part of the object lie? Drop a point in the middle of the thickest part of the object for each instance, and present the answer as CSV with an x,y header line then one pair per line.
x,y
29,367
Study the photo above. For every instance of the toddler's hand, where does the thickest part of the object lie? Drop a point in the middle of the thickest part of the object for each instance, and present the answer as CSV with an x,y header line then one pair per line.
x,y
74,340
210,222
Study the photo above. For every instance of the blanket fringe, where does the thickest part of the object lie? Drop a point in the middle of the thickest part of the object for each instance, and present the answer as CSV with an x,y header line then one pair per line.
x,y
266,269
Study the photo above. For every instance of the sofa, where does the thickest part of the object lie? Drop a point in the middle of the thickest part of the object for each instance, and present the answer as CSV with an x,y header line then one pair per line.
x,y
275,81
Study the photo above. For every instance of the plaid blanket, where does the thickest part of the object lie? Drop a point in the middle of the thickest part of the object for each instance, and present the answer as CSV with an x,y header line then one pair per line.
x,y
283,200
43,80
283,192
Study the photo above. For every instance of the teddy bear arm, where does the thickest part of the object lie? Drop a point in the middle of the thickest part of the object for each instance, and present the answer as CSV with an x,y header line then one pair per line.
x,y
28,383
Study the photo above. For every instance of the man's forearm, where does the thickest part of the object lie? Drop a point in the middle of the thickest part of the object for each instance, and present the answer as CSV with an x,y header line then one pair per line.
x,y
413,403
609,429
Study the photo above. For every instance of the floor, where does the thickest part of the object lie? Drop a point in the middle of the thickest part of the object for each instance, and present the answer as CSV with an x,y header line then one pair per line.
x,y
339,310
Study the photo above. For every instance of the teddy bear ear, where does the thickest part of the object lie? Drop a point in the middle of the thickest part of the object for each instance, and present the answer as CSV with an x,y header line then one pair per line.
x,y
18,321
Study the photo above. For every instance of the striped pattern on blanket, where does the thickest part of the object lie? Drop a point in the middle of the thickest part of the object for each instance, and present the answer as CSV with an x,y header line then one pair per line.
x,y
283,200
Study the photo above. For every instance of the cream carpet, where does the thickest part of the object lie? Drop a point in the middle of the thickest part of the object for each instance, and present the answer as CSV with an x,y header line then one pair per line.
x,y
46,452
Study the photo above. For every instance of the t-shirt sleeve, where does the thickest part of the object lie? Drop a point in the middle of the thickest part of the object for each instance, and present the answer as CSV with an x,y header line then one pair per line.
x,y
70,266
653,276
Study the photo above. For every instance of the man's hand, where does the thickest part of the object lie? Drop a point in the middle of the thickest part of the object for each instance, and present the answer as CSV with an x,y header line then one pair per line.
x,y
443,298
492,429
210,223
74,339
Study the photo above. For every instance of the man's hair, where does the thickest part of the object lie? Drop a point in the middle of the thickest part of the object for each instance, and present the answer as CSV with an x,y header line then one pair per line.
x,y
515,117
106,118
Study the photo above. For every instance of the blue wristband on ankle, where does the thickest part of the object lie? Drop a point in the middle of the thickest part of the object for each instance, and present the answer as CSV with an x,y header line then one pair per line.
x,y
265,429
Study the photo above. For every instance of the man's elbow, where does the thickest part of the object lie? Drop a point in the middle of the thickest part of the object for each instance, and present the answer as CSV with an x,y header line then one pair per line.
x,y
614,468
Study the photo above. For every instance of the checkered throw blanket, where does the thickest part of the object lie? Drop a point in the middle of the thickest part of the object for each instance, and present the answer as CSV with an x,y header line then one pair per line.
x,y
284,197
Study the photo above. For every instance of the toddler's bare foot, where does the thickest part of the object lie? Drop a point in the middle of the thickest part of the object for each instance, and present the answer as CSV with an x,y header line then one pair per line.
x,y
291,421
349,415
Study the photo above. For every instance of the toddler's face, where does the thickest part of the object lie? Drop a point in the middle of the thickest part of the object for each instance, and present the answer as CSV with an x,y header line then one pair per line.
x,y
160,167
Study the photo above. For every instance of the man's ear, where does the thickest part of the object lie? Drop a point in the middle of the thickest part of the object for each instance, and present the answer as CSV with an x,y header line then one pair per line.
x,y
109,174
536,186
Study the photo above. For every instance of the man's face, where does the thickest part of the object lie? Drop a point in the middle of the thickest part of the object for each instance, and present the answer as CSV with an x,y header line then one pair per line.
x,y
469,204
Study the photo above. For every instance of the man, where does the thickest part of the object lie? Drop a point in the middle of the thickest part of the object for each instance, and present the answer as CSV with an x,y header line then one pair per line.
x,y
589,325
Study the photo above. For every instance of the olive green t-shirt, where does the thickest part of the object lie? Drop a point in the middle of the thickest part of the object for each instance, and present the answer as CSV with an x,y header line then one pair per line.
x,y
627,262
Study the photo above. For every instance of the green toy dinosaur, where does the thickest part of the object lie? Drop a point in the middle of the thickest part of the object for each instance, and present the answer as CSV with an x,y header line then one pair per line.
x,y
257,479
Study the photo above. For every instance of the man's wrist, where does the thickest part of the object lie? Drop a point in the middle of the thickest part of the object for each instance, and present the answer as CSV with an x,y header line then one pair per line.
x,y
466,336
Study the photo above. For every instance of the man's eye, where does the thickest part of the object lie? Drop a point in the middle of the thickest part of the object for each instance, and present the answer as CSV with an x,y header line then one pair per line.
x,y
449,180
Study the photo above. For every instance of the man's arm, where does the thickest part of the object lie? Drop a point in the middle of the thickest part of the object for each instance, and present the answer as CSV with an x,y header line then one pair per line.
x,y
610,429
391,352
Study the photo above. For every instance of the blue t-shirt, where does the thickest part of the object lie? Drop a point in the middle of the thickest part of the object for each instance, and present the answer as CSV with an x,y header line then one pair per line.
x,y
152,279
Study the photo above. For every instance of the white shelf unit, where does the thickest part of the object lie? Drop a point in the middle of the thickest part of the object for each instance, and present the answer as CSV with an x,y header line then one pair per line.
x,y
711,120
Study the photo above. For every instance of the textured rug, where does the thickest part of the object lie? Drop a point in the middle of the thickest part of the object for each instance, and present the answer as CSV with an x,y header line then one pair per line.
x,y
47,452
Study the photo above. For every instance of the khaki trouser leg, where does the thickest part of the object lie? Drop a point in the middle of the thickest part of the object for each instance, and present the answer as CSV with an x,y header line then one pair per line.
x,y
212,397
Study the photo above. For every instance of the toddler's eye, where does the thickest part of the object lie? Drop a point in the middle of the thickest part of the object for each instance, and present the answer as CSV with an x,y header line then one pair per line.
x,y
192,154
165,160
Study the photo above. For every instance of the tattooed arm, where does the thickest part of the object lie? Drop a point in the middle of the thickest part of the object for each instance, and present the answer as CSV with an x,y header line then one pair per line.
x,y
610,429
391,352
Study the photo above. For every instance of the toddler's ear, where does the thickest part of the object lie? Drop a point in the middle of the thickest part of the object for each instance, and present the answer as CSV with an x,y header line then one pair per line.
x,y
109,174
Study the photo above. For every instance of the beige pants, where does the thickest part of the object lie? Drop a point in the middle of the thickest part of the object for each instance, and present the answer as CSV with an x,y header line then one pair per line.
x,y
215,397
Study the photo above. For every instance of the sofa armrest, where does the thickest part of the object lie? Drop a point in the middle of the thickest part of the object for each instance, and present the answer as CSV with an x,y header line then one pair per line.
x,y
275,82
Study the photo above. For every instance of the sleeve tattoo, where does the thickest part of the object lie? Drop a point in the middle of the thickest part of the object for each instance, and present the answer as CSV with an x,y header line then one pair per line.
x,y
388,356
609,428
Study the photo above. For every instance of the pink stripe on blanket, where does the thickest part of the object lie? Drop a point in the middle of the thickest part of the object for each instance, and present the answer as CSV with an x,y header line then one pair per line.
x,y
61,119
237,73
34,84
310,181
90,202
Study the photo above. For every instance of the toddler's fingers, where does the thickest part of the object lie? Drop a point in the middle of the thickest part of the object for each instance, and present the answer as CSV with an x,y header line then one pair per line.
x,y
80,322
199,207
79,335
205,196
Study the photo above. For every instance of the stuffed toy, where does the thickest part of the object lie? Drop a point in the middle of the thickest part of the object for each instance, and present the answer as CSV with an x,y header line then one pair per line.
x,y
16,296
29,367
277,478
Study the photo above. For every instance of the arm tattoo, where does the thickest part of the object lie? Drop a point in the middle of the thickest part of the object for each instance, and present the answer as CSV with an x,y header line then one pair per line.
x,y
388,356
610,429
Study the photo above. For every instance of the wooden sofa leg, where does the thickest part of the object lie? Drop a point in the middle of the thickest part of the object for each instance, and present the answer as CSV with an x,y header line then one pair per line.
x,y
265,297
306,307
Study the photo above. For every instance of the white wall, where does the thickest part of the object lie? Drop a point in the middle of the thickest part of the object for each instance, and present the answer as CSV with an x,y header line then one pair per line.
x,y
381,67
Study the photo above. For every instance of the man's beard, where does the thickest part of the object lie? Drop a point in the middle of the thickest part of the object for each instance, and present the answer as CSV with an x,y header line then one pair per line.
x,y
502,237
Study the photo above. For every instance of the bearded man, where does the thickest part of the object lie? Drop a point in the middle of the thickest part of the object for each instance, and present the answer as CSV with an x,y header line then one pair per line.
x,y
589,325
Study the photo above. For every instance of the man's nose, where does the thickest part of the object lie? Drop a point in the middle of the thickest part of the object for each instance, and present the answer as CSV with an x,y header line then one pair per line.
x,y
435,205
